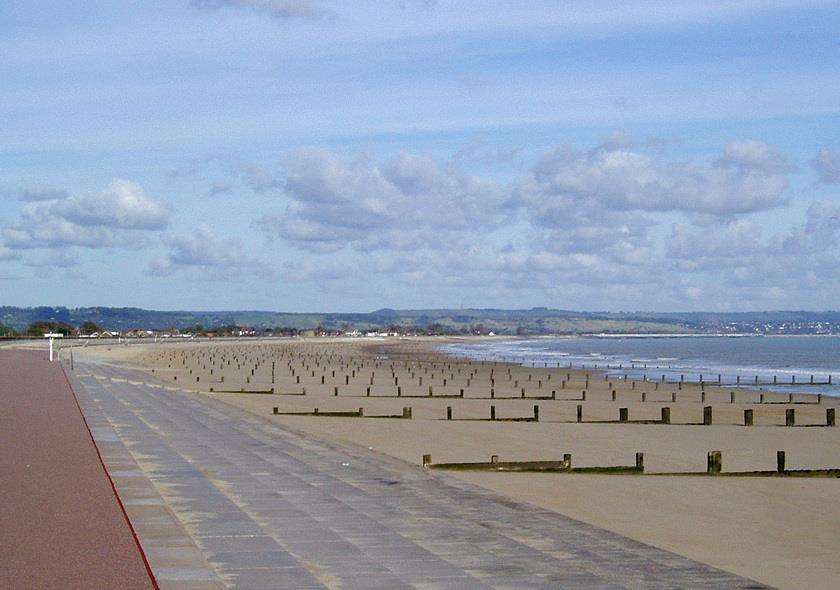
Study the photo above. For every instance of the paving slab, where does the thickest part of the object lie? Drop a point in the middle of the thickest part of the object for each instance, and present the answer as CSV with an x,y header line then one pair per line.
x,y
269,507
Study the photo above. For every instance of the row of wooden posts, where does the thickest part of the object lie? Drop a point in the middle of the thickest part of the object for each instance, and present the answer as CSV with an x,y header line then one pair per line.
x,y
665,416
623,416
714,466
553,396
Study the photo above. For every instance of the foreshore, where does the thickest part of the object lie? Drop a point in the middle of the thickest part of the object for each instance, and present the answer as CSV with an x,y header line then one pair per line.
x,y
778,528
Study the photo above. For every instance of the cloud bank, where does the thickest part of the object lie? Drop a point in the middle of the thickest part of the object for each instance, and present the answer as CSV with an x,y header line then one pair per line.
x,y
92,220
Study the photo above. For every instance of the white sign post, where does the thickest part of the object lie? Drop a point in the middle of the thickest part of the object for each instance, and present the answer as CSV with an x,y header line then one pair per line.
x,y
53,336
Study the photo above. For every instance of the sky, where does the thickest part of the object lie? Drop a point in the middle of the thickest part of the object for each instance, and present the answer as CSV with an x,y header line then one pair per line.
x,y
325,155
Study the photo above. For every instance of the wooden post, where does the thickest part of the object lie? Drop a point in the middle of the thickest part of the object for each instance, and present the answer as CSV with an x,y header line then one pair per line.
x,y
748,417
666,415
790,417
713,463
780,461
707,415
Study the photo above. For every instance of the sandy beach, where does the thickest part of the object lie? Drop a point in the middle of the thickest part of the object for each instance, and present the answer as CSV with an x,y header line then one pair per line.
x,y
777,530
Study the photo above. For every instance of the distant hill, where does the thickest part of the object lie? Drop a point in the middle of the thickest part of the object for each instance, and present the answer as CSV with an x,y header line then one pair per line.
x,y
538,320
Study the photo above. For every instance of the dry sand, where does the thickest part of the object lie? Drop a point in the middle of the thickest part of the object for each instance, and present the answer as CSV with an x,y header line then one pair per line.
x,y
781,531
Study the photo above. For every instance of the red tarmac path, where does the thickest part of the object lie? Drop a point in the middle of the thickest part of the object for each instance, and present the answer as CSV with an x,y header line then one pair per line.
x,y
61,522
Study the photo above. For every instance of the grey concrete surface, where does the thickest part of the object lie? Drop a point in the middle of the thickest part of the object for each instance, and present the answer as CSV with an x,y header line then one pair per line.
x,y
223,498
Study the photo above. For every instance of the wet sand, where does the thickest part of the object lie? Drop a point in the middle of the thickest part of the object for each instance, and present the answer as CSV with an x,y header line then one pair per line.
x,y
781,531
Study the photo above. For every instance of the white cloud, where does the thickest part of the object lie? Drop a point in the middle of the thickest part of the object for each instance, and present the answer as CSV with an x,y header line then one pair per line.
x,y
593,221
736,255
818,236
122,205
755,155
827,165
740,237
205,254
749,177
204,248
92,220
409,202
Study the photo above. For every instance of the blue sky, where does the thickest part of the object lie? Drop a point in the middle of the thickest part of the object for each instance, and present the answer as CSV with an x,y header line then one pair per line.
x,y
310,155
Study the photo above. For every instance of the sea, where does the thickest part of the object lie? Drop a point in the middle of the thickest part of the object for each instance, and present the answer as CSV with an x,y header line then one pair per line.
x,y
773,363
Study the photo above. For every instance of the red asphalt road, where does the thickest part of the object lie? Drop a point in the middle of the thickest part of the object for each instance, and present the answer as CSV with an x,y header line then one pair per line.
x,y
61,524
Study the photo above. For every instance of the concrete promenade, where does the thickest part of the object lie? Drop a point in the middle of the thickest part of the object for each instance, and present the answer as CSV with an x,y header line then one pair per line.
x,y
61,524
222,497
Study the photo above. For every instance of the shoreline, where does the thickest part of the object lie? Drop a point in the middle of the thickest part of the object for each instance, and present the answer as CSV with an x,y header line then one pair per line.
x,y
799,380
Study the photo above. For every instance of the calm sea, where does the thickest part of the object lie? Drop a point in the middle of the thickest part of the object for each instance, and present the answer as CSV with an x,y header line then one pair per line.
x,y
788,358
